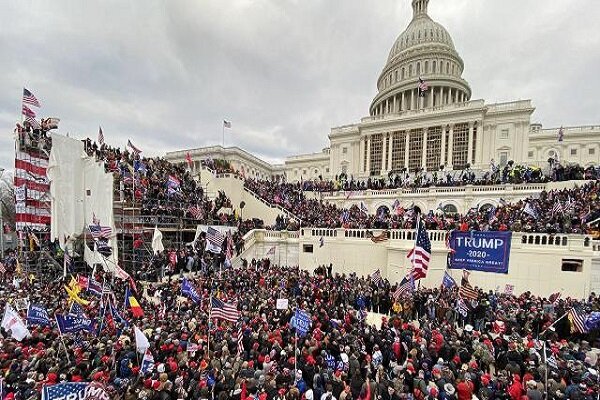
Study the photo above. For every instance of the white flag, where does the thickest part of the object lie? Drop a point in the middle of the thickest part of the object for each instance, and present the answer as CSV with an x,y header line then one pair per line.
x,y
157,244
13,322
141,341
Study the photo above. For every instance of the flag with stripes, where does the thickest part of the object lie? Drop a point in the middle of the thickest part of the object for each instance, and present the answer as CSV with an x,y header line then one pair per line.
x,y
530,210
420,255
33,122
226,124
100,136
133,148
2,268
29,98
376,277
32,191
271,251
406,287
240,341
28,112
577,321
423,87
214,240
220,309
467,292
188,159
554,298
98,231
195,212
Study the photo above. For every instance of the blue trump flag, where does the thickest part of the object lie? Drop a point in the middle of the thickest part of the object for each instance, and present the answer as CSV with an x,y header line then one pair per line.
x,y
480,251
301,321
75,390
73,323
37,314
592,321
188,290
448,281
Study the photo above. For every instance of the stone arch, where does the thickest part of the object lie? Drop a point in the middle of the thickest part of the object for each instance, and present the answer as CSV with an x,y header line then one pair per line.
x,y
450,207
382,210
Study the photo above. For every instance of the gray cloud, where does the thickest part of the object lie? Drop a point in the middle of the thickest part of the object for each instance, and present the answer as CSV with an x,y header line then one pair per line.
x,y
166,73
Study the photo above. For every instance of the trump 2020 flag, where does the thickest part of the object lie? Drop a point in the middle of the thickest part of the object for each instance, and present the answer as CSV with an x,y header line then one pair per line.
x,y
301,321
38,315
75,390
12,322
73,323
141,341
147,363
189,291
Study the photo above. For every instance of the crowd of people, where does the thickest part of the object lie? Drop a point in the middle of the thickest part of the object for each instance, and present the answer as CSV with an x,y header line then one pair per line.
x,y
509,174
362,342
556,211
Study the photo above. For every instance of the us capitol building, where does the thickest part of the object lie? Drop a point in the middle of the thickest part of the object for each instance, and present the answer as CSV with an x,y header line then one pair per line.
x,y
405,131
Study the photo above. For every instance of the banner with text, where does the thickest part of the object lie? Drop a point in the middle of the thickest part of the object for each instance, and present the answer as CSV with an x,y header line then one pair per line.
x,y
481,251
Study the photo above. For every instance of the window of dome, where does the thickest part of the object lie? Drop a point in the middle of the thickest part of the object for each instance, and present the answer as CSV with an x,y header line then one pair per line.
x,y
410,70
419,35
402,73
425,33
447,68
426,69
418,68
396,75
449,209
433,67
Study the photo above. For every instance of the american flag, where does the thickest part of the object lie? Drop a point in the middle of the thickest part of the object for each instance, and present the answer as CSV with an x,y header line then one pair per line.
x,y
467,292
554,298
226,124
188,159
557,208
195,212
423,87
420,255
28,112
405,287
34,123
271,251
100,136
133,148
99,231
376,277
214,237
173,182
569,205
577,322
2,268
29,98
240,341
222,310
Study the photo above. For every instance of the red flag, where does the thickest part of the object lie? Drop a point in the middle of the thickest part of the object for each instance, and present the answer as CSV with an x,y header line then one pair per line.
x,y
188,158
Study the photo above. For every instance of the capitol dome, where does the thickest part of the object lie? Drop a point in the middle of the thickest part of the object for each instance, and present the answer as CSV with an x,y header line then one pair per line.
x,y
424,50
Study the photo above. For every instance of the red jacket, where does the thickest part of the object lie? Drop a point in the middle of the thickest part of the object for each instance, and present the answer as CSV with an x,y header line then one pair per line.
x,y
465,390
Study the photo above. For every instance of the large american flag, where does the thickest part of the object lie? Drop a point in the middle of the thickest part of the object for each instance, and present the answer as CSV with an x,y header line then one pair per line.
x,y
376,277
133,148
240,341
28,112
557,208
420,255
32,191
29,98
220,309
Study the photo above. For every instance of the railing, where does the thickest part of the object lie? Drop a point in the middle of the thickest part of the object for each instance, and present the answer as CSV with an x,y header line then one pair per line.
x,y
438,238
467,189
277,206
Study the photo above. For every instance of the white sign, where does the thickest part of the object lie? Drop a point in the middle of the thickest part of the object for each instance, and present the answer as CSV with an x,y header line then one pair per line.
x,y
509,289
282,304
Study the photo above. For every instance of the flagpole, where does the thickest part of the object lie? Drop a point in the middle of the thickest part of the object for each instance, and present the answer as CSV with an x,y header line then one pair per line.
x,y
554,323
62,340
223,132
545,369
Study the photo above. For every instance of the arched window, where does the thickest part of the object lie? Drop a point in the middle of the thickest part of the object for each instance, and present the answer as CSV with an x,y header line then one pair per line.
x,y
418,68
434,65
449,209
426,68
402,73
447,67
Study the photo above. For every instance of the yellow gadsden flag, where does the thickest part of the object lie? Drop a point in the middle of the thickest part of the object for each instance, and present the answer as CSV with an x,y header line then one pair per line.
x,y
73,290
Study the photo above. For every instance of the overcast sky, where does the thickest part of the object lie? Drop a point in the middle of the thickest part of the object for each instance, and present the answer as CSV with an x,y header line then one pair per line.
x,y
166,73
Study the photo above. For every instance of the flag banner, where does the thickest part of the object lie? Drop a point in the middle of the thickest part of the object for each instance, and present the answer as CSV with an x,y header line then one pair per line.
x,y
147,363
376,277
481,251
12,322
222,310
75,390
448,281
509,289
592,321
94,287
189,291
382,237
141,341
116,315
301,321
22,304
282,304
29,98
226,124
73,323
132,303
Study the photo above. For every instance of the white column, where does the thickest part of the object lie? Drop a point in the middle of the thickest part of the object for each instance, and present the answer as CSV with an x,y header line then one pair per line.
x,y
441,95
450,96
390,152
368,171
456,96
470,144
395,102
479,153
443,148
361,154
412,99
406,148
431,105
383,154
402,102
450,144
424,155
